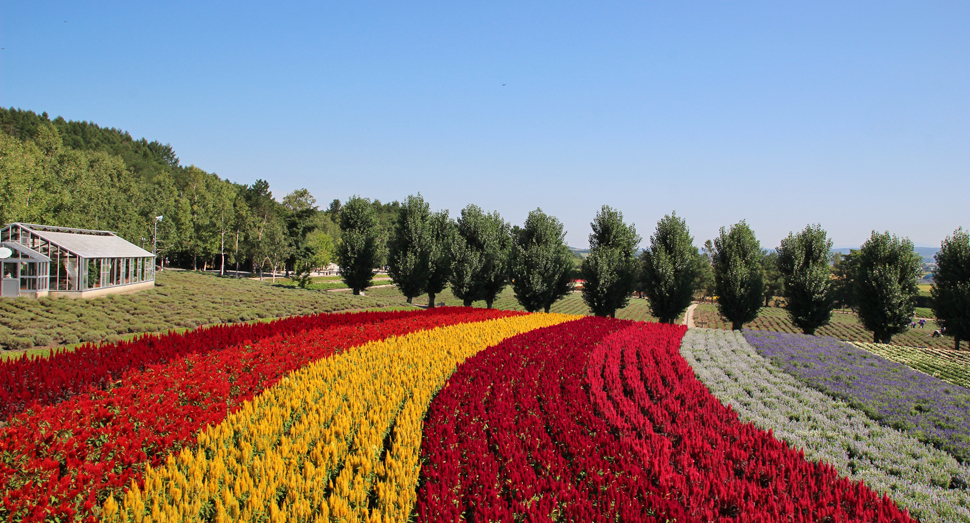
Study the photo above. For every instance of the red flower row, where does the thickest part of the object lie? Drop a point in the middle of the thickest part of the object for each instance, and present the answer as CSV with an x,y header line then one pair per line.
x,y
63,460
590,421
45,381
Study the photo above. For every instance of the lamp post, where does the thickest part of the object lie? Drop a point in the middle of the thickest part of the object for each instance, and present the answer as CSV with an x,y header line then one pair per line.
x,y
155,238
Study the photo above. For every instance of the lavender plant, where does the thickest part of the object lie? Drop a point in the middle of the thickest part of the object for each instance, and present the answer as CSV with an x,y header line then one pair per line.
x,y
927,481
928,408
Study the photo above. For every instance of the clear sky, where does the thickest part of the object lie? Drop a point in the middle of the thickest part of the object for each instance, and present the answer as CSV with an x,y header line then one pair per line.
x,y
854,115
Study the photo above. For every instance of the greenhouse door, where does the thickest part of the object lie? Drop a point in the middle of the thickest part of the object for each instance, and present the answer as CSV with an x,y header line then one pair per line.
x,y
11,283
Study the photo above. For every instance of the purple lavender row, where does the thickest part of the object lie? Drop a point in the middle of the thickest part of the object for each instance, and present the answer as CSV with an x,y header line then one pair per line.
x,y
930,409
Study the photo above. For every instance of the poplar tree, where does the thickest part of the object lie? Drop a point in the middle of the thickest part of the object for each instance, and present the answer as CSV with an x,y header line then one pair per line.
x,y
359,248
951,287
671,269
885,285
610,270
408,260
441,232
738,274
803,260
481,251
540,262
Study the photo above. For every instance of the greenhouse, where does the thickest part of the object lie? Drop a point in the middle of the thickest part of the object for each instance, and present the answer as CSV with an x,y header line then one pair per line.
x,y
42,260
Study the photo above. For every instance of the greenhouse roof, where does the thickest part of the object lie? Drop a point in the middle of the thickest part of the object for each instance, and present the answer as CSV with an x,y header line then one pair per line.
x,y
87,243
25,251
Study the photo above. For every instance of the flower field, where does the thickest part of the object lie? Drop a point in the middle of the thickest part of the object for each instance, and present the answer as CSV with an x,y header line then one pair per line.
x,y
929,482
946,364
446,414
892,393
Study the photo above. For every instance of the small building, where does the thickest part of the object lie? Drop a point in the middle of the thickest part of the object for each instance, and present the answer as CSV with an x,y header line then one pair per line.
x,y
78,263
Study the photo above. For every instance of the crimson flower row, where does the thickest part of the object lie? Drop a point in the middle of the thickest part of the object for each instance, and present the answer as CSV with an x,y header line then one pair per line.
x,y
599,419
47,380
62,461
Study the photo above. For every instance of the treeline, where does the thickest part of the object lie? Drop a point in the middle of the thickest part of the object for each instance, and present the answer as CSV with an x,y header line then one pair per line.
x,y
479,254
78,174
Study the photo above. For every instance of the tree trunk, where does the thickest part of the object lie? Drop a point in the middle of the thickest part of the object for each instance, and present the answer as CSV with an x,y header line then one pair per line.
x,y
431,297
409,300
356,292
488,304
956,343
466,302
738,326
767,298
547,308
222,251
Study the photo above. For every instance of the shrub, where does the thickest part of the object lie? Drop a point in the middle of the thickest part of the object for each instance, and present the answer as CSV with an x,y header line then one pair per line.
x,y
92,336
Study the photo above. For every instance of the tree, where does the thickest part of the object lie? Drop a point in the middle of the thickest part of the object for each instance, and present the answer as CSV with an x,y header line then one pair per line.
x,y
885,285
951,287
481,263
671,269
843,273
441,231
276,246
738,274
610,269
774,280
803,260
408,261
540,262
359,248
301,213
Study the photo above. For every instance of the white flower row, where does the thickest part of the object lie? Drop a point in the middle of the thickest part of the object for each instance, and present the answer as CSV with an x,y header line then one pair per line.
x,y
917,476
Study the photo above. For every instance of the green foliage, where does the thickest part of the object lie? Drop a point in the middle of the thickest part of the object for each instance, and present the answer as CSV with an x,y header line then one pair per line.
x,y
774,280
360,246
738,274
670,269
951,289
410,250
885,285
540,262
480,254
803,259
610,270
843,271
441,231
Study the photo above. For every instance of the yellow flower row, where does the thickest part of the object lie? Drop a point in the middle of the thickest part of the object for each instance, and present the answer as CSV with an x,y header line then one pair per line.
x,y
337,440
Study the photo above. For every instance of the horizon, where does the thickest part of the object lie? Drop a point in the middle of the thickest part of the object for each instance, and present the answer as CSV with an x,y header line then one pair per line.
x,y
855,117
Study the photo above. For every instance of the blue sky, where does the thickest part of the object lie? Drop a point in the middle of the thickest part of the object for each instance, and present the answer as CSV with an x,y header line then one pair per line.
x,y
854,115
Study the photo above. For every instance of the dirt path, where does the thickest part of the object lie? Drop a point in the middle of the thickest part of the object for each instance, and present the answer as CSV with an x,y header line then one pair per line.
x,y
689,316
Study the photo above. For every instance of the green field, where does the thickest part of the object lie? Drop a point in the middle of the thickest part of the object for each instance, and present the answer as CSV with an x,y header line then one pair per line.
x,y
179,300
948,365
844,326
638,310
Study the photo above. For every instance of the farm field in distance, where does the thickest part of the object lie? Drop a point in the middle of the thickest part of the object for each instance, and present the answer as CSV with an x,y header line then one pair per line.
x,y
844,326
637,309
180,299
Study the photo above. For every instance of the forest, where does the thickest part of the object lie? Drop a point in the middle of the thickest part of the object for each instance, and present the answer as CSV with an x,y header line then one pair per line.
x,y
78,174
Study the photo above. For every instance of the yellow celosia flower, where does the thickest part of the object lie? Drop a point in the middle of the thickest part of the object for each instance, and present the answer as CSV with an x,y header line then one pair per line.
x,y
336,440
